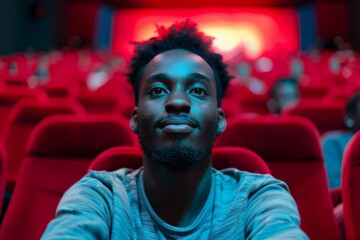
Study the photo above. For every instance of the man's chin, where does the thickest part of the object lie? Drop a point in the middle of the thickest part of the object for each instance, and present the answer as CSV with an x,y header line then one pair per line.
x,y
177,157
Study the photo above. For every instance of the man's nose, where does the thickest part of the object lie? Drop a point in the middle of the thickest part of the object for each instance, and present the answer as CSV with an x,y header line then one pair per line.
x,y
178,102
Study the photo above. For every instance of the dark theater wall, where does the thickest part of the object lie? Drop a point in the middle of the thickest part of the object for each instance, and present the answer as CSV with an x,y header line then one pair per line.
x,y
26,24
354,19
332,19
9,23
91,22
80,21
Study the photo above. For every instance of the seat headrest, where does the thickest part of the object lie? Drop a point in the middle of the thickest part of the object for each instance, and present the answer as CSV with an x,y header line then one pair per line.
x,y
240,158
274,139
79,136
32,111
14,94
118,157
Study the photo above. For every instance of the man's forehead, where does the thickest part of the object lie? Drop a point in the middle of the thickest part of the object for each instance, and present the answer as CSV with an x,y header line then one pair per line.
x,y
175,55
178,62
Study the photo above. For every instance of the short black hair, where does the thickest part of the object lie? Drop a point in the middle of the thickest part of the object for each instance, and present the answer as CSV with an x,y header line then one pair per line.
x,y
181,35
351,104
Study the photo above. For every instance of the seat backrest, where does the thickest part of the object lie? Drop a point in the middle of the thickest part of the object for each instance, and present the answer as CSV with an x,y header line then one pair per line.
x,y
105,102
58,154
23,117
222,157
11,95
350,187
326,117
256,104
118,157
239,158
290,147
3,163
314,92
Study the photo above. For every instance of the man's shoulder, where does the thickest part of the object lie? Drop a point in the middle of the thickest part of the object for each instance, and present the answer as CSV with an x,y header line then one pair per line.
x,y
236,179
233,174
123,175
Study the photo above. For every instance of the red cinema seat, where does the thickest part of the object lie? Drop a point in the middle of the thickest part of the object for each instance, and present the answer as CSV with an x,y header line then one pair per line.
x,y
290,147
314,92
240,158
224,157
118,157
255,104
351,188
99,102
23,117
11,95
64,90
326,117
58,154
3,162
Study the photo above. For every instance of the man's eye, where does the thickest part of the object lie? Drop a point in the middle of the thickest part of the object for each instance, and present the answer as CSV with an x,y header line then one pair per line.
x,y
157,91
198,91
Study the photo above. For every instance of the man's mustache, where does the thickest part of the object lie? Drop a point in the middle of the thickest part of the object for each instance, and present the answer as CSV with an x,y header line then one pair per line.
x,y
177,119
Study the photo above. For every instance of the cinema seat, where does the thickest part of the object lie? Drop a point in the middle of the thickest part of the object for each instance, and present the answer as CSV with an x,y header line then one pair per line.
x,y
223,157
3,163
290,147
350,187
58,154
11,95
60,90
118,157
22,119
255,104
314,92
95,104
326,117
240,158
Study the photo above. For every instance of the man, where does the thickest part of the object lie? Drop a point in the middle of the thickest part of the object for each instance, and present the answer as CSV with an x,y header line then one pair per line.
x,y
283,92
334,142
178,82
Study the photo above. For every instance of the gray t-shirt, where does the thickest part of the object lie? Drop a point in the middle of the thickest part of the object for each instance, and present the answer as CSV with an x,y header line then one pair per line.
x,y
113,205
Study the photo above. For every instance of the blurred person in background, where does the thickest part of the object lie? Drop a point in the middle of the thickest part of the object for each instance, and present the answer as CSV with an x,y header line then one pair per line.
x,y
334,142
283,92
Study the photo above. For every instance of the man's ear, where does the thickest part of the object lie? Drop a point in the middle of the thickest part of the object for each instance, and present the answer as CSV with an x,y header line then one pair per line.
x,y
221,122
271,105
349,123
134,125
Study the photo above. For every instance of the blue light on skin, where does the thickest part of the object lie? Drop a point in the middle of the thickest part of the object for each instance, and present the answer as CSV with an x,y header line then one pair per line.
x,y
180,84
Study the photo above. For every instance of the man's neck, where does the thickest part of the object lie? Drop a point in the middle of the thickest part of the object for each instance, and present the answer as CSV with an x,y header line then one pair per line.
x,y
177,197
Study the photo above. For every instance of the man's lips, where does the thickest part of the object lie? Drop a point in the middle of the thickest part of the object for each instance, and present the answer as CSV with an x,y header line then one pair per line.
x,y
181,128
177,125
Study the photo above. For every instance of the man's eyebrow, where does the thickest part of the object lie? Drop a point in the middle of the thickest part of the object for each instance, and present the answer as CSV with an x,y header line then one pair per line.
x,y
163,76
198,76
159,76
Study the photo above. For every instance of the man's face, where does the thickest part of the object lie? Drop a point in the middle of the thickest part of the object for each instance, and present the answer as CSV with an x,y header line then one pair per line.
x,y
285,94
355,117
177,118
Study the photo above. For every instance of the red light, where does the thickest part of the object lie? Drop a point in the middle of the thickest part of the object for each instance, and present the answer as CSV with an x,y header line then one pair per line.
x,y
254,32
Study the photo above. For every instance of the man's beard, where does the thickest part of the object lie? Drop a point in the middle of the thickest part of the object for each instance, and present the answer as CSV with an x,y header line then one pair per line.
x,y
178,156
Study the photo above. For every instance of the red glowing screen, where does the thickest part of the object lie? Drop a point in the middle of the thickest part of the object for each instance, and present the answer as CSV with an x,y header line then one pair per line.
x,y
255,32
